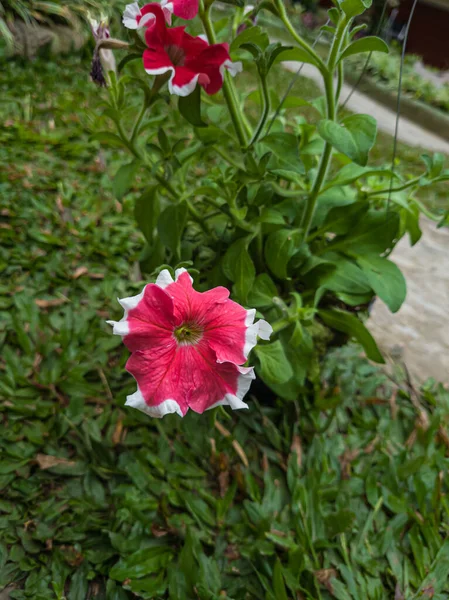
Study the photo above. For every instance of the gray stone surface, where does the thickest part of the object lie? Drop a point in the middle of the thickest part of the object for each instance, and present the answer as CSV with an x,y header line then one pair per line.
x,y
418,334
409,132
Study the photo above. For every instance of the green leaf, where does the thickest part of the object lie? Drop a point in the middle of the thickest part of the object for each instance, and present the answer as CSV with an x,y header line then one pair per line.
x,y
251,35
274,365
190,107
365,44
285,146
279,248
141,563
352,8
79,585
149,587
352,326
278,582
171,225
124,178
385,278
346,278
211,134
375,233
262,292
294,54
107,138
146,212
239,268
351,172
355,136
434,164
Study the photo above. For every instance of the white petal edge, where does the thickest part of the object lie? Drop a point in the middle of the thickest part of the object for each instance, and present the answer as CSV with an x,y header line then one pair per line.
x,y
180,271
260,329
183,90
132,11
146,19
167,6
248,8
265,329
232,67
166,407
235,401
121,327
164,279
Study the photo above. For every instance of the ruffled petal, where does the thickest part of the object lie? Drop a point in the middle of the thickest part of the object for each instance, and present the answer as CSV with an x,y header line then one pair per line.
x,y
225,324
162,378
176,377
157,62
130,15
148,321
182,82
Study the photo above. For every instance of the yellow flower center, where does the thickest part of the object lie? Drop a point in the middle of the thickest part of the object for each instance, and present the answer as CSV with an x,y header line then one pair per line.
x,y
188,333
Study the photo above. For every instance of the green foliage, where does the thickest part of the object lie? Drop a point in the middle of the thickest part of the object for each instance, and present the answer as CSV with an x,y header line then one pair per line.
x,y
342,496
275,213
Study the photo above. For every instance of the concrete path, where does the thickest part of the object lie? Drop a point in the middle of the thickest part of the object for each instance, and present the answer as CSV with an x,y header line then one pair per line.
x,y
409,132
417,335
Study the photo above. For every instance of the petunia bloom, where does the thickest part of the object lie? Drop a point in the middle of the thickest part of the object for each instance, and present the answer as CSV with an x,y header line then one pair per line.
x,y
134,17
191,60
187,347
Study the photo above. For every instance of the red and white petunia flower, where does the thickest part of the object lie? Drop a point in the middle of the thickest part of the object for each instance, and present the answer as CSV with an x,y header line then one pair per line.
x,y
191,60
187,347
134,17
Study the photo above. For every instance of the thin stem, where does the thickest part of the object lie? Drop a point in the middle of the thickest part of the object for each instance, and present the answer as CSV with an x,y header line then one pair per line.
x,y
265,111
139,119
283,323
328,77
340,79
228,88
198,218
398,103
298,39
133,149
400,188
226,157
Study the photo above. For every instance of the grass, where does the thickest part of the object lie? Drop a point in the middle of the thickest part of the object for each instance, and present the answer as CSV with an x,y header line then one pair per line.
x,y
346,500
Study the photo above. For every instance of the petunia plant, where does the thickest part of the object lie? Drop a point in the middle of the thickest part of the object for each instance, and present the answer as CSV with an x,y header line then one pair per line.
x,y
281,209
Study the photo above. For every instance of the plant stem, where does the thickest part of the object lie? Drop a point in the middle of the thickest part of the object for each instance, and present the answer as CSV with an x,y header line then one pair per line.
x,y
227,158
283,323
139,119
133,149
265,111
228,87
298,39
328,77
410,183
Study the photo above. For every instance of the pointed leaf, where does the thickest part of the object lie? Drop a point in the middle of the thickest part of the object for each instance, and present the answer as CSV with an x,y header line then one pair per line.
x,y
385,278
274,365
365,44
352,326
190,107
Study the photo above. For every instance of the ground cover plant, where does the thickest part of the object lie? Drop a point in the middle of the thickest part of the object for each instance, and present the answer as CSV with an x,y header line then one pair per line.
x,y
385,69
338,494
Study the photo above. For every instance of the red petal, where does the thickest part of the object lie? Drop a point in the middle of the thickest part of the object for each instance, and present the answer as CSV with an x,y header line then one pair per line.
x,y
222,320
189,376
151,322
186,9
156,62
